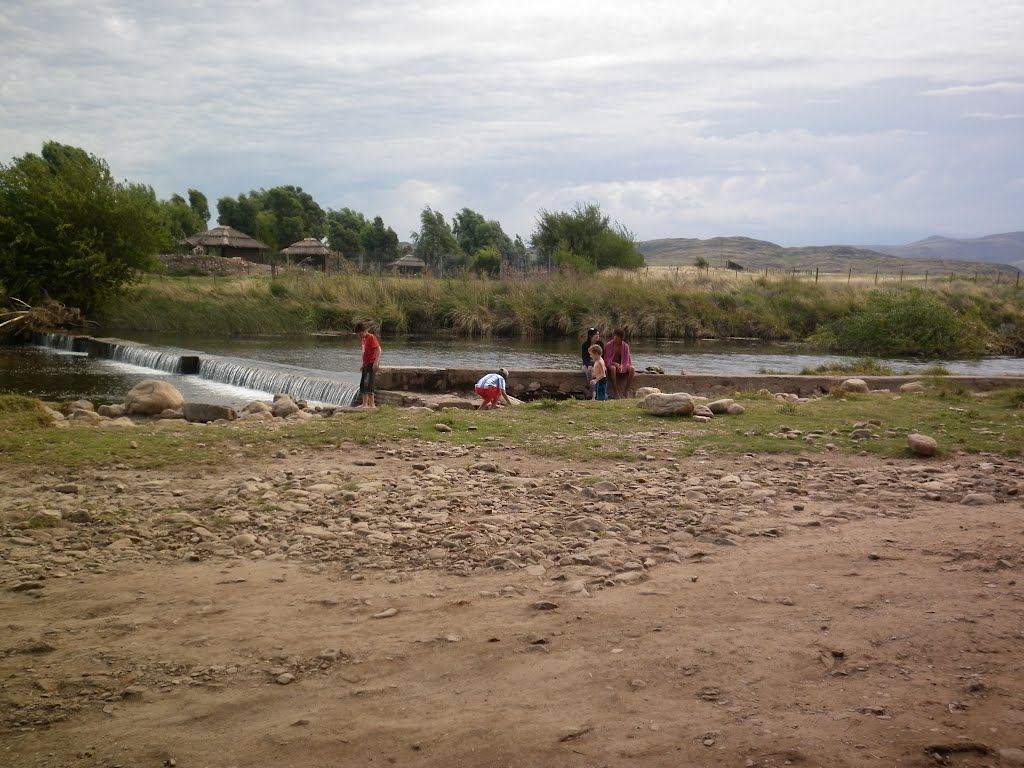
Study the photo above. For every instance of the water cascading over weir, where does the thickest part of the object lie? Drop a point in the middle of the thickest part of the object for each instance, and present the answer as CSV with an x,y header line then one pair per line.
x,y
325,387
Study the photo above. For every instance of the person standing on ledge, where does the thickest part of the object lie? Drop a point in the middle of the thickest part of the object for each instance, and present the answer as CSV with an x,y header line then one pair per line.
x,y
371,362
620,364
593,337
492,389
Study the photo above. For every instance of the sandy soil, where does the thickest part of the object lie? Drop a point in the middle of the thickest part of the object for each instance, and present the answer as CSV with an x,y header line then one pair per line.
x,y
432,606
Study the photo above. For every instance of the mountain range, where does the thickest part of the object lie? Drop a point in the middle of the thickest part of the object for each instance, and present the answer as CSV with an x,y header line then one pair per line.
x,y
934,255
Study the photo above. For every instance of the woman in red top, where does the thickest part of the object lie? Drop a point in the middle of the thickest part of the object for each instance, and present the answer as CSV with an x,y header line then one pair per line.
x,y
371,362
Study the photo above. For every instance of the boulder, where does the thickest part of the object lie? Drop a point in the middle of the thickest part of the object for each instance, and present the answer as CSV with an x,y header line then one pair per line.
x,y
854,385
283,406
721,406
912,386
115,411
85,405
83,416
150,397
922,445
205,412
663,404
735,409
703,410
645,391
257,407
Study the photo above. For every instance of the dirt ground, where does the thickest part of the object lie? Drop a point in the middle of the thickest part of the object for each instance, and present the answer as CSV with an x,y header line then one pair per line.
x,y
436,606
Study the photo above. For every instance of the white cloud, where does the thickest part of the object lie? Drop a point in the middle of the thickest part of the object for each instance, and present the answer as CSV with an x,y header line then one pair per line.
x,y
1003,86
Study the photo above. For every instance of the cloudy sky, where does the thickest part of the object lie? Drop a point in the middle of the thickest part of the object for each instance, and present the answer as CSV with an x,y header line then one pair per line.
x,y
796,121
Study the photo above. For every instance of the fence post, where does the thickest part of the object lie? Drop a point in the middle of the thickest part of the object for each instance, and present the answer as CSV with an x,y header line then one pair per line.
x,y
876,277
975,276
901,275
816,274
999,276
926,275
849,276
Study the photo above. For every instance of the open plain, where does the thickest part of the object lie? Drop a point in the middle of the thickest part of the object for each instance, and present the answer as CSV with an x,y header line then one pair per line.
x,y
424,602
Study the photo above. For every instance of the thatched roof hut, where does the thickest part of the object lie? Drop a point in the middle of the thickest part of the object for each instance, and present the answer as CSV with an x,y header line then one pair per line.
x,y
309,251
226,241
408,265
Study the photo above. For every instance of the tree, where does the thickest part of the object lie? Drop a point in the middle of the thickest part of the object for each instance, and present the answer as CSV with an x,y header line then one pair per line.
x,y
70,232
380,243
435,243
474,233
200,205
182,219
701,263
293,215
486,261
343,232
586,233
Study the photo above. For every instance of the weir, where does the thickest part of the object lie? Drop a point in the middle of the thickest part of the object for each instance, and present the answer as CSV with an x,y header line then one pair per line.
x,y
298,383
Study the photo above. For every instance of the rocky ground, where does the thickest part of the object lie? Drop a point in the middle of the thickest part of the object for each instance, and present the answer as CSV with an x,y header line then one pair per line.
x,y
431,605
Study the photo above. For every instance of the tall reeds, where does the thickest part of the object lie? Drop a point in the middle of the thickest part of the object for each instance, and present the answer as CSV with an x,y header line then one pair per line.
x,y
688,306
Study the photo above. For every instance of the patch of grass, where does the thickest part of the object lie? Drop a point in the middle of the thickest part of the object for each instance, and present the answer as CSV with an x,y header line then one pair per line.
x,y
935,370
595,433
865,366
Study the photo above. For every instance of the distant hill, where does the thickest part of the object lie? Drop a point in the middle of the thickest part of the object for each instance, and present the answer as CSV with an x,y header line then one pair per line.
x,y
758,255
1007,248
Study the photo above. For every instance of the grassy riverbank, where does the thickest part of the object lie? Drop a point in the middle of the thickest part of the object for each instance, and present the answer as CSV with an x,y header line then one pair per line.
x,y
949,318
576,430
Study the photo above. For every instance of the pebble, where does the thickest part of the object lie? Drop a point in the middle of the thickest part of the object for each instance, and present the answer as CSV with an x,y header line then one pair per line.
x,y
387,613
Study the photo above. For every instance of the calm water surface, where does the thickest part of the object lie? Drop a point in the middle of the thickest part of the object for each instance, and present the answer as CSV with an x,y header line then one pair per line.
x,y
54,375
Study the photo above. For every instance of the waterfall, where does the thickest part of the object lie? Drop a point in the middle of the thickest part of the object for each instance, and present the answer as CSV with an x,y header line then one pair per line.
x,y
168,360
298,383
324,387
60,341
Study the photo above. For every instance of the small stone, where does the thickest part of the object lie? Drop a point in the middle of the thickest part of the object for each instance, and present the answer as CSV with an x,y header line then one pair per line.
x,y
285,679
978,499
67,488
442,427
1012,756
385,614
854,385
27,586
545,605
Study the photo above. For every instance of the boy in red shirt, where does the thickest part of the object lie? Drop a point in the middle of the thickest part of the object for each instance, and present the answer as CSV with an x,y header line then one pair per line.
x,y
371,362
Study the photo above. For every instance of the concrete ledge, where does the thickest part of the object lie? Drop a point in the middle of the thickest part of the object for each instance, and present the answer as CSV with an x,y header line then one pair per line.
x,y
569,383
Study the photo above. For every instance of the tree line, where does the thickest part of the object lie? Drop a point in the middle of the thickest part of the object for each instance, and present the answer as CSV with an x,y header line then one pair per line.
x,y
70,231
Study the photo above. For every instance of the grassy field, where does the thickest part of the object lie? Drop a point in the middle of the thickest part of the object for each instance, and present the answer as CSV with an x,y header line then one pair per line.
x,y
975,318
611,431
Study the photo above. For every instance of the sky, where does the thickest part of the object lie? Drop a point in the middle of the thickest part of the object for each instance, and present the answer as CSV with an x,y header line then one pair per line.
x,y
802,122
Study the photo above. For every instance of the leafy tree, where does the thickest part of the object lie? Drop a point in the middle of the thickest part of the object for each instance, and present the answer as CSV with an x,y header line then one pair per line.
x,y
435,243
292,215
588,234
200,206
475,233
343,232
182,219
70,232
380,243
701,263
486,261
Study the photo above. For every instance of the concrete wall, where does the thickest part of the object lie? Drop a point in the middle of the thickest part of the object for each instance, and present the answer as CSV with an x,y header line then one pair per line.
x,y
569,383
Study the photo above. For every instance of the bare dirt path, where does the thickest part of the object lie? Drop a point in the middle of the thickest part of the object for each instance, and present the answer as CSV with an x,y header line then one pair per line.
x,y
426,607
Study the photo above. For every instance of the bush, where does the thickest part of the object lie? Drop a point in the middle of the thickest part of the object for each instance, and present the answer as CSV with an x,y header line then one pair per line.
x,y
904,321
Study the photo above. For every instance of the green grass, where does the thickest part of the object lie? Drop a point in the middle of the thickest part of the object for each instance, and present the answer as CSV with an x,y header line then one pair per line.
x,y
865,366
616,431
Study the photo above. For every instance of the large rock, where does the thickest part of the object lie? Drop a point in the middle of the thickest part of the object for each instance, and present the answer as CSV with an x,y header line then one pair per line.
x,y
912,386
283,406
719,407
645,391
922,445
257,407
204,412
115,411
663,404
150,397
83,416
854,385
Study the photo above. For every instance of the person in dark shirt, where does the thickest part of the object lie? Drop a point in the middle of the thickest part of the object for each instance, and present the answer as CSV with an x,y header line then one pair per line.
x,y
593,337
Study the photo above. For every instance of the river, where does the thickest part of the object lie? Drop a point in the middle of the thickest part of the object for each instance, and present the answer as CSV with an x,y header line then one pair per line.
x,y
53,374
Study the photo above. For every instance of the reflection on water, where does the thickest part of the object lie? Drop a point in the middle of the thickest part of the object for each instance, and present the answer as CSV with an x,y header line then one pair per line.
x,y
61,375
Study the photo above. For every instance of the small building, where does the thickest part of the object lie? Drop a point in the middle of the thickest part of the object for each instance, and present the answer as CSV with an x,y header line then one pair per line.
x,y
408,265
309,252
734,266
227,241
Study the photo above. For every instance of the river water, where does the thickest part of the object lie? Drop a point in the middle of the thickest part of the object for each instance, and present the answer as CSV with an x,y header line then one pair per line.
x,y
60,375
